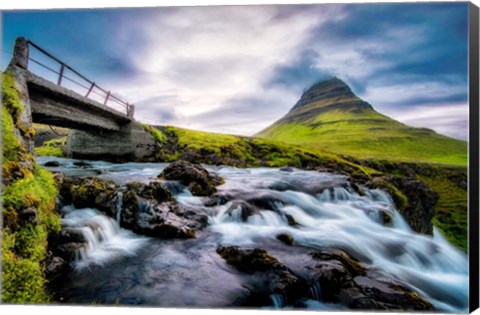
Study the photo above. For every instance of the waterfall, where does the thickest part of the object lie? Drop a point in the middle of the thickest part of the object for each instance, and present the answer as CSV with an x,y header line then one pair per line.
x,y
118,206
340,218
279,300
316,291
103,237
317,210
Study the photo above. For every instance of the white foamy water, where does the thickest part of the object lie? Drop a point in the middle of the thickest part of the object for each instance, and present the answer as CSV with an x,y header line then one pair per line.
x,y
340,218
105,240
327,214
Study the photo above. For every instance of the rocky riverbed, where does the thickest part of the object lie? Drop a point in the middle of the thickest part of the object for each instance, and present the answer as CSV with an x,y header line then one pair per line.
x,y
210,236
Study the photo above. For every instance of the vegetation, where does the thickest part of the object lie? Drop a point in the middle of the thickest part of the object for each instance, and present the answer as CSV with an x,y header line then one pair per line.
x,y
157,135
213,148
449,182
366,134
52,147
451,216
28,208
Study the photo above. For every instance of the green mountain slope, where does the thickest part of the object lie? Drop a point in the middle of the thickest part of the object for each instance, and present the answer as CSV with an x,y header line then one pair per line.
x,y
331,117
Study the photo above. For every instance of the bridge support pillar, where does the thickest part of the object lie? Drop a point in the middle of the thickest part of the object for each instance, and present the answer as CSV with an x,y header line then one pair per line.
x,y
131,143
16,70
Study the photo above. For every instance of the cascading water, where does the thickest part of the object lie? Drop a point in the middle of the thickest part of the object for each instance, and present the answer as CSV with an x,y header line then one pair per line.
x,y
340,218
103,238
318,210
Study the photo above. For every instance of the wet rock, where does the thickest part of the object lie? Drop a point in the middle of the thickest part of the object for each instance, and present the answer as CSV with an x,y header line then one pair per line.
x,y
28,215
82,164
193,176
89,192
244,209
52,164
350,283
151,210
270,276
55,266
68,251
152,191
73,235
285,238
421,204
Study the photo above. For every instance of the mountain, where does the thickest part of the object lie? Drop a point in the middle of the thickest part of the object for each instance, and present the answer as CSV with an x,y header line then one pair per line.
x,y
331,117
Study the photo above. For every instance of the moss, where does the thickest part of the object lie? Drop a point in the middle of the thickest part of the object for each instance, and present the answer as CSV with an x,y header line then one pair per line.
x,y
52,147
222,149
12,148
156,134
451,215
28,186
400,200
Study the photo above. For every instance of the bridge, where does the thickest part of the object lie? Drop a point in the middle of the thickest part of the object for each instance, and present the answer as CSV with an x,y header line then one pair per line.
x,y
97,129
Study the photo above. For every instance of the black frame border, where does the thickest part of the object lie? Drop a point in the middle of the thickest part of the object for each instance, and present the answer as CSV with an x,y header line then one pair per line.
x,y
473,158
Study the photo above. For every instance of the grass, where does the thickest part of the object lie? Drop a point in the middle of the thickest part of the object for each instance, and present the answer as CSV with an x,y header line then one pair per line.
x,y
27,187
214,148
52,147
451,216
156,134
367,134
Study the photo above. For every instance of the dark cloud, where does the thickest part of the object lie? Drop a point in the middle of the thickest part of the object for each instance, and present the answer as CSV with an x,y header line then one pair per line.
x,y
300,73
423,42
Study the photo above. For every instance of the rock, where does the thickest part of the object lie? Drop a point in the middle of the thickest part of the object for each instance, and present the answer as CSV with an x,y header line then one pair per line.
x,y
152,191
271,276
421,204
82,164
52,164
350,283
55,266
89,192
28,215
285,238
73,235
151,210
68,251
244,209
193,176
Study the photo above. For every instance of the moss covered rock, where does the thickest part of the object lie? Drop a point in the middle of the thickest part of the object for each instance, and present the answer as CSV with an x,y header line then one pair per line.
x,y
28,197
193,176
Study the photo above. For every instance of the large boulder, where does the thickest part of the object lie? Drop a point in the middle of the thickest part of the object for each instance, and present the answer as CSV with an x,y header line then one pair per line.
x,y
421,203
151,210
88,192
345,280
193,176
413,199
269,275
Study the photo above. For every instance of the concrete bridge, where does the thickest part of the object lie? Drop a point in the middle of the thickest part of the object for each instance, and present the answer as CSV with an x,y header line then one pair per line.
x,y
97,130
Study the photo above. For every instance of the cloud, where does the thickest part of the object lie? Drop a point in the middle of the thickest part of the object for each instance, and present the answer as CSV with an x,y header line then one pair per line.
x,y
239,68
450,118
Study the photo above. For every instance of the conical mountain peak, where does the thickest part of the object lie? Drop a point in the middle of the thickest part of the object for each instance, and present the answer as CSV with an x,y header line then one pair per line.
x,y
327,93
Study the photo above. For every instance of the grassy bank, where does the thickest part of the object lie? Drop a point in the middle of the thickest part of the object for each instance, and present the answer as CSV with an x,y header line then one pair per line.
x,y
222,149
28,208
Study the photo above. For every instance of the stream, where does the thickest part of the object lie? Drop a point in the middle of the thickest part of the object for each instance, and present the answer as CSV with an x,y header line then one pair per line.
x,y
120,267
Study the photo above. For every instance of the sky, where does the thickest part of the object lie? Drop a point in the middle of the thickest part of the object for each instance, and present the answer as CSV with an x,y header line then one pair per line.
x,y
237,69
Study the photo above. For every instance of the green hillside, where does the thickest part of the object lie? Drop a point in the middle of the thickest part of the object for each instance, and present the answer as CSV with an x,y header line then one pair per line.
x,y
330,117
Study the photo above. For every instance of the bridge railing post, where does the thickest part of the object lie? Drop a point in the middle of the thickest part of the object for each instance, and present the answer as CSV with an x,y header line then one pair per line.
x,y
60,75
20,53
130,110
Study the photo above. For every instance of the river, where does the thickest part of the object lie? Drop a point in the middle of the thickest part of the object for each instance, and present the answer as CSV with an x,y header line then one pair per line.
x,y
121,267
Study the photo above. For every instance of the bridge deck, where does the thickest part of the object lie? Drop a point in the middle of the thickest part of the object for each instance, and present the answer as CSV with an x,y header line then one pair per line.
x,y
59,106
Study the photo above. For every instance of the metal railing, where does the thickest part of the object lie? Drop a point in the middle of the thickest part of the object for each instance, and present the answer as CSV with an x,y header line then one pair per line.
x,y
89,85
